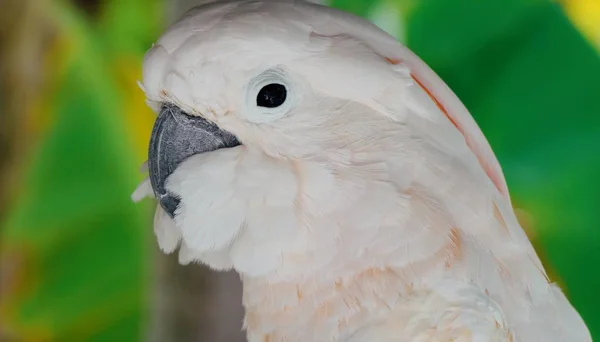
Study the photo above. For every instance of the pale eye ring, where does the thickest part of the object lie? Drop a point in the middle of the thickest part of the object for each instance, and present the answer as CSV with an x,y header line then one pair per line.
x,y
271,95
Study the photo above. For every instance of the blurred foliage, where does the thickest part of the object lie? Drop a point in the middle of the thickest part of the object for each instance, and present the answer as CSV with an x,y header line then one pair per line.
x,y
586,15
74,248
75,243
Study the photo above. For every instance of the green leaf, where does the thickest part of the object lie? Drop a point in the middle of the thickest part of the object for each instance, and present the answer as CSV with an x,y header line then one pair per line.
x,y
83,243
131,27
358,7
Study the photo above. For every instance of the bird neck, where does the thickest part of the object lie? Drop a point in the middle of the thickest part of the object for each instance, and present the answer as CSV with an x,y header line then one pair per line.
x,y
316,309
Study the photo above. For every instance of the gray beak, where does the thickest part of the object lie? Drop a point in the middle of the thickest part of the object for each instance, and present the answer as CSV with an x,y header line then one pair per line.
x,y
177,136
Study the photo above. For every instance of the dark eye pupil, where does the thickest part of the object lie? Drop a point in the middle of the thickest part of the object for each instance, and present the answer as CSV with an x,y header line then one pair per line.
x,y
271,96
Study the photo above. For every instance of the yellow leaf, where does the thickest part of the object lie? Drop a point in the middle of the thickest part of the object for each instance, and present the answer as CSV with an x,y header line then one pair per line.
x,y
585,14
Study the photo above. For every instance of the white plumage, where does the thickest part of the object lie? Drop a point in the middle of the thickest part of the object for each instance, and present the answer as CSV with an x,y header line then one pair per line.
x,y
368,207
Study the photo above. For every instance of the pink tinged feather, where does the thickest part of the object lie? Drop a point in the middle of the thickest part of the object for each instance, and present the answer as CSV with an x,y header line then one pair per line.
x,y
458,115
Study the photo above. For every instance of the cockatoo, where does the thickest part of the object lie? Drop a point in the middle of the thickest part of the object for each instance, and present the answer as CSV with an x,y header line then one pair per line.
x,y
348,186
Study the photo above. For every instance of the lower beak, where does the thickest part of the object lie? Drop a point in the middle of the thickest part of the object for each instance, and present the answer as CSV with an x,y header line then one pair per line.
x,y
177,136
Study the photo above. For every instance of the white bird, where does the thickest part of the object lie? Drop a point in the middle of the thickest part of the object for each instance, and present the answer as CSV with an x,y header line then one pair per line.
x,y
342,179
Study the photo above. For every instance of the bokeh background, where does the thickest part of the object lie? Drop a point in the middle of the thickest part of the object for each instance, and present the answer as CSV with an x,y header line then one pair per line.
x,y
78,260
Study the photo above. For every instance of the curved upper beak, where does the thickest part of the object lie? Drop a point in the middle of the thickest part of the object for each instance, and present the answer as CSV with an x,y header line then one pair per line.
x,y
177,136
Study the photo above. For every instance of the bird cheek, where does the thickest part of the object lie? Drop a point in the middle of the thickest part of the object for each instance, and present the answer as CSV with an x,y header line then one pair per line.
x,y
210,215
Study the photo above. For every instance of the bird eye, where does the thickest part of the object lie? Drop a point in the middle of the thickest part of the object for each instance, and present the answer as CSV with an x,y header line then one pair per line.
x,y
271,96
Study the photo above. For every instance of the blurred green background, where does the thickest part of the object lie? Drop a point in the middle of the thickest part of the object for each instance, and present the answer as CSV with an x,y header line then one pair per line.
x,y
78,260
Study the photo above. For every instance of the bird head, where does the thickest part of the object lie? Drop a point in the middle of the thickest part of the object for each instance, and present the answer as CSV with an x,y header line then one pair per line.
x,y
289,134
